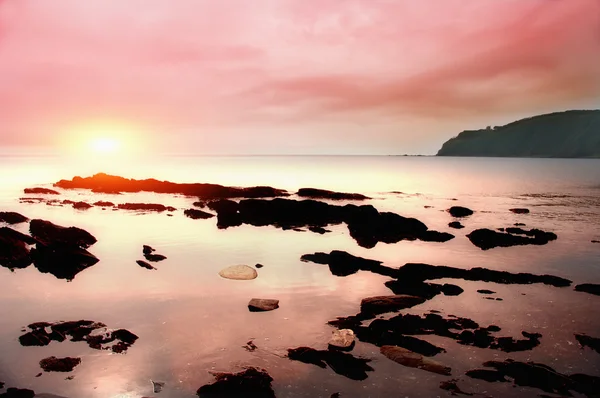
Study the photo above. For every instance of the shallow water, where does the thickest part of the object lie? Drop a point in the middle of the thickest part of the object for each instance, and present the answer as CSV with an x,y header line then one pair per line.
x,y
191,321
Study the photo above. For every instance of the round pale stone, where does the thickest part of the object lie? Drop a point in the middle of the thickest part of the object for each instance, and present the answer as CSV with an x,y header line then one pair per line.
x,y
239,272
342,338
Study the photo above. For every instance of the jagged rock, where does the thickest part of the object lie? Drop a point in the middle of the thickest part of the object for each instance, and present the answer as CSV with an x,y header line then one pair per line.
x,y
588,341
197,214
54,364
251,382
342,339
459,211
414,360
239,272
590,288
50,234
325,194
11,217
259,305
341,363
40,191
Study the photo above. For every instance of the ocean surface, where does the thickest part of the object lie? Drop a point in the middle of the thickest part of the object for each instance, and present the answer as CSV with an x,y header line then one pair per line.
x,y
191,322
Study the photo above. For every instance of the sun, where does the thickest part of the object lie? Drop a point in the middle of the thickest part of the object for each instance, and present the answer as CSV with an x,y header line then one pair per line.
x,y
105,145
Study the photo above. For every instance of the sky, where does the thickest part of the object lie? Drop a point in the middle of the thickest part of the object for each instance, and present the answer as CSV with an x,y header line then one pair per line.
x,y
288,76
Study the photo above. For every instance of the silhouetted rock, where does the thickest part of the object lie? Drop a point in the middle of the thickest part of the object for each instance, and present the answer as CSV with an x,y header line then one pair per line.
x,y
62,261
485,291
144,264
588,341
315,193
145,207
251,382
148,249
259,305
10,217
519,211
13,248
200,204
18,393
421,289
456,225
104,204
82,206
258,266
487,239
590,288
414,360
536,375
459,211
51,234
197,214
155,258
382,304
40,191
54,364
318,230
341,363
596,241
103,183
453,388
343,264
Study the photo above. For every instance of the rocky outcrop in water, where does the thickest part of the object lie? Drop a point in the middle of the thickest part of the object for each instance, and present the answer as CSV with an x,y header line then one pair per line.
x,y
487,239
315,193
590,288
10,217
18,393
196,214
588,341
145,207
459,211
341,363
40,191
251,382
54,364
14,252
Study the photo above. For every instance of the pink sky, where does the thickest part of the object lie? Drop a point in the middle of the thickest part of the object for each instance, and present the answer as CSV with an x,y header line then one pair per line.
x,y
291,76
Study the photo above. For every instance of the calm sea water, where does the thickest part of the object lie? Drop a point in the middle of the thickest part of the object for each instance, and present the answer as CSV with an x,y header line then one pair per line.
x,y
191,321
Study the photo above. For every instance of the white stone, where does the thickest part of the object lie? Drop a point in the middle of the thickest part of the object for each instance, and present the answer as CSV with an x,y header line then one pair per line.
x,y
239,272
343,338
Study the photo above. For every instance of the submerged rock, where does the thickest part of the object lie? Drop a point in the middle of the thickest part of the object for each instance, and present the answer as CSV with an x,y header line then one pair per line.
x,y
144,264
145,207
54,364
239,272
341,363
590,288
251,382
487,239
196,214
453,388
258,305
11,217
456,225
50,234
325,194
519,210
342,339
382,304
40,191
588,341
414,360
459,211
18,393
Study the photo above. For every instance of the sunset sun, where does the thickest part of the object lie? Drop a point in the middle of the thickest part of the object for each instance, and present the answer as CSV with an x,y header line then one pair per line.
x,y
105,145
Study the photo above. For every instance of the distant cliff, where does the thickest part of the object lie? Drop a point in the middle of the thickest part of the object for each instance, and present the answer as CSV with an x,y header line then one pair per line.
x,y
570,134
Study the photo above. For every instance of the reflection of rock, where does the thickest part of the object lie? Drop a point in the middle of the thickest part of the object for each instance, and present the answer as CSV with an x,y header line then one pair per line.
x,y
62,261
453,388
144,264
196,214
10,217
258,305
54,364
49,234
382,304
488,239
588,341
251,382
18,393
343,264
459,211
342,339
531,374
590,288
325,194
341,363
519,211
239,272
414,360
456,225
40,191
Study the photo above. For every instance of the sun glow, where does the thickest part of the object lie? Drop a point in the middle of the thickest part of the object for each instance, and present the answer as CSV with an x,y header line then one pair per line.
x,y
105,145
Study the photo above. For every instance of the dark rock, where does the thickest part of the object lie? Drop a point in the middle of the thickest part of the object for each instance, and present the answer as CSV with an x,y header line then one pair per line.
x,y
259,305
382,304
13,248
62,261
251,382
315,193
456,225
435,236
414,360
18,393
50,234
40,191
103,183
10,217
459,211
147,249
343,264
596,241
421,289
54,364
587,341
155,258
104,204
519,224
144,264
145,207
519,211
82,206
453,388
485,291
197,214
531,374
487,239
318,230
259,266
590,288
341,363
199,204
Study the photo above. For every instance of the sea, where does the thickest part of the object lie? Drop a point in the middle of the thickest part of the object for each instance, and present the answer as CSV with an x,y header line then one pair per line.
x,y
192,323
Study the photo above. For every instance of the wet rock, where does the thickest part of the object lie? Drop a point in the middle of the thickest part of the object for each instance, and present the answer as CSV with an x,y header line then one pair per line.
x,y
82,206
459,211
195,214
239,272
343,264
456,225
588,341
382,304
344,364
519,224
144,264
590,288
104,183
251,382
318,230
259,305
414,360
40,191
18,393
453,388
145,207
342,339
155,258
11,217
54,364
536,375
325,194
519,211
95,334
14,252
485,291
258,266
50,234
157,386
104,204
487,239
